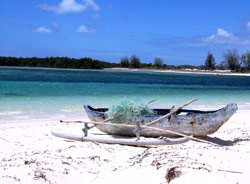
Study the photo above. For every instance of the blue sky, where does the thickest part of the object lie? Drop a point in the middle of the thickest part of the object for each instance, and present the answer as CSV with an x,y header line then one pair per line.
x,y
178,31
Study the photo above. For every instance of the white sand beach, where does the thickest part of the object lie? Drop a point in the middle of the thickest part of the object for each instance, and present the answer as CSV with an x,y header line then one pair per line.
x,y
192,71
30,154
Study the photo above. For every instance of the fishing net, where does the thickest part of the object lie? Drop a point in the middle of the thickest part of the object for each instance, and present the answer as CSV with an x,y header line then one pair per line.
x,y
127,111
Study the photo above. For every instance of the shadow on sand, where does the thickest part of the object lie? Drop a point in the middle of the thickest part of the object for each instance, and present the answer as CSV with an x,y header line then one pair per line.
x,y
222,142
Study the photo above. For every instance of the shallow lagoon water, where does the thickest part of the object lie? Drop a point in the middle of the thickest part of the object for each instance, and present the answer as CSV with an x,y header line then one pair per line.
x,y
52,94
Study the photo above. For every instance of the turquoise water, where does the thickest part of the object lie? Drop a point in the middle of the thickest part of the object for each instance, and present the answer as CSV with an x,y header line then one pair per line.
x,y
54,94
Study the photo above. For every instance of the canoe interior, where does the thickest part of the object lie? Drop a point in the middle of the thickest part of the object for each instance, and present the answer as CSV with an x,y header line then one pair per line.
x,y
158,111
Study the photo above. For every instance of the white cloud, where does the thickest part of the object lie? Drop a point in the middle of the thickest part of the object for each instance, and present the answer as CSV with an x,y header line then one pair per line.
x,y
85,29
223,33
70,6
92,4
221,40
43,30
222,36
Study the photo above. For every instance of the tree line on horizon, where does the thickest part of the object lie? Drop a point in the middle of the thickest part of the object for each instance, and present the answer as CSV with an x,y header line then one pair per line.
x,y
56,62
231,61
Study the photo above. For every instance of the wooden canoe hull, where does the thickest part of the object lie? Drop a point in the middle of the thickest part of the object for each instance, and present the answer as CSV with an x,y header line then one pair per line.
x,y
196,123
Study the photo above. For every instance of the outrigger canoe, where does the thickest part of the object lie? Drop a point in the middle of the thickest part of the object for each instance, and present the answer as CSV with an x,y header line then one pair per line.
x,y
187,122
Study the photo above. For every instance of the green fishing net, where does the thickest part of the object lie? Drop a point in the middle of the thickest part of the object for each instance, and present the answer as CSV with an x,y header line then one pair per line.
x,y
127,111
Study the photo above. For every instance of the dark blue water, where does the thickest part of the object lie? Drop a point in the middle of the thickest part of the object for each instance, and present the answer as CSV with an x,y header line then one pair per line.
x,y
104,76
45,93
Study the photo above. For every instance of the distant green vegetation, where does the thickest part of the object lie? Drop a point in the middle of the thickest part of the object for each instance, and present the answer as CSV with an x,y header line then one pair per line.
x,y
231,61
56,62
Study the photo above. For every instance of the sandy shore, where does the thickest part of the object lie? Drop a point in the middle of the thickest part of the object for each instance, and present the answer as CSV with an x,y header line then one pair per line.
x,y
30,154
194,71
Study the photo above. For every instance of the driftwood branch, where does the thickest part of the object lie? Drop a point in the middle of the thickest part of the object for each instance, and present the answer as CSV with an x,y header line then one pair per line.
x,y
137,131
169,114
5,140
237,172
151,101
110,119
85,129
106,120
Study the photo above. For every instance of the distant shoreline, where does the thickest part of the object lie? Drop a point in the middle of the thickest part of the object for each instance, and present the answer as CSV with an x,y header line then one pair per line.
x,y
184,71
190,71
